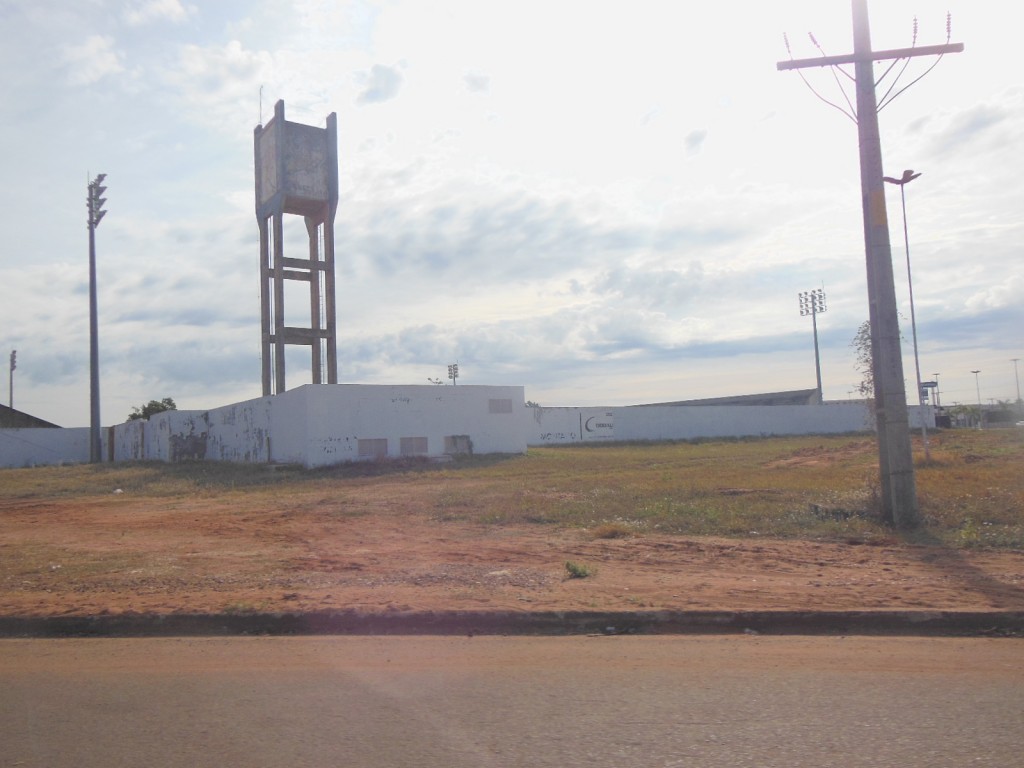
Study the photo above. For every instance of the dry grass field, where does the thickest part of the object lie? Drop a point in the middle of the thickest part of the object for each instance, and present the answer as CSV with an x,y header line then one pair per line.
x,y
782,523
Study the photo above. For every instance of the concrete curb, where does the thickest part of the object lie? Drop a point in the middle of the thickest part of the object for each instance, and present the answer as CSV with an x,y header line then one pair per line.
x,y
906,623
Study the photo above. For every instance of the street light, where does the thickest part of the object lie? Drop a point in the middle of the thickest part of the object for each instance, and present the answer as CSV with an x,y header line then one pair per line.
x,y
813,303
977,388
453,373
909,176
95,202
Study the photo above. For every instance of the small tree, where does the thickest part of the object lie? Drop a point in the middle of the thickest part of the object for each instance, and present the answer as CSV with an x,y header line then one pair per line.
x,y
153,406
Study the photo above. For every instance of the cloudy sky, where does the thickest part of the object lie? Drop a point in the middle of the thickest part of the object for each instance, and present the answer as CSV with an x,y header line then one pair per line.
x,y
605,202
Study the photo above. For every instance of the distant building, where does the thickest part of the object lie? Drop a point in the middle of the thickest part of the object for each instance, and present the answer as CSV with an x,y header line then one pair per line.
x,y
14,419
795,397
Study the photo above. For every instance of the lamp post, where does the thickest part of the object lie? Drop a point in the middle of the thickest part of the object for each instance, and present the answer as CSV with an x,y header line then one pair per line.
x,y
907,177
938,400
453,373
813,303
95,203
977,388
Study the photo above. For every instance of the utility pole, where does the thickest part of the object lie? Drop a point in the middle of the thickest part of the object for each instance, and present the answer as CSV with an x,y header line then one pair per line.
x,y
895,457
95,201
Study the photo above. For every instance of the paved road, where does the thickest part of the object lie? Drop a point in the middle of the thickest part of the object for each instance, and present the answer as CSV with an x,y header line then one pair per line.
x,y
488,701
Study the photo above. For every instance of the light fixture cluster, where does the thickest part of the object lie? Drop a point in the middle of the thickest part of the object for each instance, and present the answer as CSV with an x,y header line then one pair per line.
x,y
812,302
96,200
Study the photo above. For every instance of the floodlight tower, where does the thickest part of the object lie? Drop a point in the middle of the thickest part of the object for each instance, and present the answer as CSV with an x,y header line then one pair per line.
x,y
813,303
297,173
94,201
14,364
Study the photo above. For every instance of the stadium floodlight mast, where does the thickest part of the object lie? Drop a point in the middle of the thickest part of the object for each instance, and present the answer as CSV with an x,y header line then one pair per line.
x,y
95,202
453,373
813,303
907,177
10,391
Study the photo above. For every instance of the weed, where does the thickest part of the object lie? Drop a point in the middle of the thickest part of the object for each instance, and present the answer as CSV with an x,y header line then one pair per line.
x,y
577,570
614,530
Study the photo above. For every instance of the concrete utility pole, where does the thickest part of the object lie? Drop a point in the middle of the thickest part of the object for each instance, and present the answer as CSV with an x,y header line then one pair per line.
x,y
896,462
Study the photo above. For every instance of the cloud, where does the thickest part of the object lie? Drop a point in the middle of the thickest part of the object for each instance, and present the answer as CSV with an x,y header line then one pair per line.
x,y
380,84
1004,294
218,84
665,289
149,11
694,140
476,82
93,60
991,125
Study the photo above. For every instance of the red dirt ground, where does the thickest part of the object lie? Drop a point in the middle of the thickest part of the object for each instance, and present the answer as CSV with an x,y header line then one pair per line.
x,y
99,556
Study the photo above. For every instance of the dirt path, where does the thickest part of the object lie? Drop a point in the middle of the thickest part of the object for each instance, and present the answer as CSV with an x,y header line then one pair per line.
x,y
99,556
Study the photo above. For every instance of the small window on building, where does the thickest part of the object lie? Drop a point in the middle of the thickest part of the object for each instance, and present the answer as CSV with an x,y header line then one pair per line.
x,y
373,448
500,406
414,446
456,444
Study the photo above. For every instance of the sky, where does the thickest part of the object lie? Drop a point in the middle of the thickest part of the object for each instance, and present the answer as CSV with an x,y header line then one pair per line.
x,y
608,203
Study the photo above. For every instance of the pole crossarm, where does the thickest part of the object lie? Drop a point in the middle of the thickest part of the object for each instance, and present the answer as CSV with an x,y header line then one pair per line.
x,y
853,58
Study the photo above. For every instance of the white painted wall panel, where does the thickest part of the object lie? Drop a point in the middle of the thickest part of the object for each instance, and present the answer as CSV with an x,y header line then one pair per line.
x,y
130,440
339,416
40,447
240,432
681,422
570,425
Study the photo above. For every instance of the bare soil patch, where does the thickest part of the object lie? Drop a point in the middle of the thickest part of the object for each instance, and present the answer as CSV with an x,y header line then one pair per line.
x,y
374,552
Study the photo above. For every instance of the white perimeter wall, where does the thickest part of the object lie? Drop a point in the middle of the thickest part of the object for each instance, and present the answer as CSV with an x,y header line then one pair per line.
x,y
321,424
34,447
681,422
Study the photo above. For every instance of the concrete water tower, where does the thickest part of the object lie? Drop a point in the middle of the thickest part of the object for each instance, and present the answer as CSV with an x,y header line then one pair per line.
x,y
297,173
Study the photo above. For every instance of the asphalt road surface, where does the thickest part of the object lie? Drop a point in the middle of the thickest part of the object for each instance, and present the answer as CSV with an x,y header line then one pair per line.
x,y
489,701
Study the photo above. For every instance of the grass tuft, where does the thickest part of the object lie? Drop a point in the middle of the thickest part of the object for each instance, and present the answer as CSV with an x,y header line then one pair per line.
x,y
577,570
